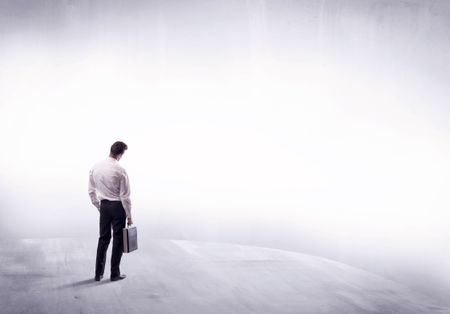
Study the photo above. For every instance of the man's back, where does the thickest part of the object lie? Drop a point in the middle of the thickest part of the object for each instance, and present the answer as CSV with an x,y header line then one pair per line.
x,y
109,181
107,175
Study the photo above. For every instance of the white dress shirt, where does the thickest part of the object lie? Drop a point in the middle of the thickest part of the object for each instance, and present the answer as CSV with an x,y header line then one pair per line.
x,y
109,181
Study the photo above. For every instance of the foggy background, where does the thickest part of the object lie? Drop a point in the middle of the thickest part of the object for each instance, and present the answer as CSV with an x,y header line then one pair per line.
x,y
313,126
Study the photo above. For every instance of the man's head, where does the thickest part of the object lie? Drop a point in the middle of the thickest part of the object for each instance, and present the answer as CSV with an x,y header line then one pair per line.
x,y
117,150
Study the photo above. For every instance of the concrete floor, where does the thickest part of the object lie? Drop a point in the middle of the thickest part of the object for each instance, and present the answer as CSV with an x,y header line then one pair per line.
x,y
174,276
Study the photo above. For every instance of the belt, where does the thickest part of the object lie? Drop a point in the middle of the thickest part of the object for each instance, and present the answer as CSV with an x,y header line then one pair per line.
x,y
108,201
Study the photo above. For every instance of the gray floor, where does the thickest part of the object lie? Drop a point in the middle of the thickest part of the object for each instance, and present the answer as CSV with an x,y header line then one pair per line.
x,y
174,276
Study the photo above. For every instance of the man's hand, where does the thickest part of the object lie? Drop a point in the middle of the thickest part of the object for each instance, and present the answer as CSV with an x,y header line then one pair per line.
x,y
129,221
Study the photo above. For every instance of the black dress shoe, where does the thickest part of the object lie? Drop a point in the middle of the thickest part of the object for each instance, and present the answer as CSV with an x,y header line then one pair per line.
x,y
98,278
120,277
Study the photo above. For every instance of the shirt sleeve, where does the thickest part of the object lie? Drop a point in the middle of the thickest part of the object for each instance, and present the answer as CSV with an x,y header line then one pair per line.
x,y
92,192
125,193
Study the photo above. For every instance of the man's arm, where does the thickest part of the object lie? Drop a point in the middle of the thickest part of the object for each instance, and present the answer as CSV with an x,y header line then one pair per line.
x,y
92,192
125,195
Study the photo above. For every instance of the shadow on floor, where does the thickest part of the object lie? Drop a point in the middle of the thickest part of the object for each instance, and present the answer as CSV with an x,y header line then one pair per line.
x,y
82,283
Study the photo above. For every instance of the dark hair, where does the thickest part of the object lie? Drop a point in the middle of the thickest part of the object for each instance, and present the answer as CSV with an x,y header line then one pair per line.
x,y
118,148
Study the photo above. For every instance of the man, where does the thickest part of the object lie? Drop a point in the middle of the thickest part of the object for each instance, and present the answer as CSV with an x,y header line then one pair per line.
x,y
109,191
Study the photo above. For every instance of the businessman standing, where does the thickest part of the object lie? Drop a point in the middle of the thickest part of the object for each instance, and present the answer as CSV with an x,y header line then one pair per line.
x,y
109,190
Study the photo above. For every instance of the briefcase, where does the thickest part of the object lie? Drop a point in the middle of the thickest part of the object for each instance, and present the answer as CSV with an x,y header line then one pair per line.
x,y
129,239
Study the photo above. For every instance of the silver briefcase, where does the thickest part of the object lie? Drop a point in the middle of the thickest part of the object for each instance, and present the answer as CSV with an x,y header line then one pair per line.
x,y
129,239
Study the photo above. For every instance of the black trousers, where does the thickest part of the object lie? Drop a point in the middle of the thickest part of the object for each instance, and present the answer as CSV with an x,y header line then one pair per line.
x,y
112,214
